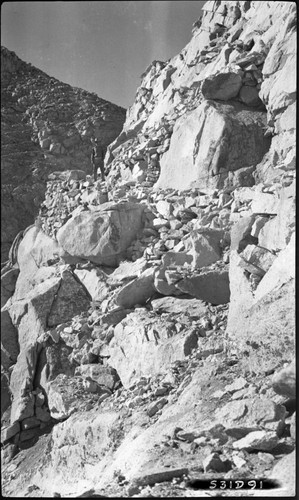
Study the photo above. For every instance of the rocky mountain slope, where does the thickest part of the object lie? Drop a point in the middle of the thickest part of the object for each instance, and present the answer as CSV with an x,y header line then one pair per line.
x,y
46,125
148,322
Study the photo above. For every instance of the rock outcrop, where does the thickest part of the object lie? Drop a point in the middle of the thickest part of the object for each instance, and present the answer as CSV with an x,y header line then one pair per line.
x,y
149,320
46,125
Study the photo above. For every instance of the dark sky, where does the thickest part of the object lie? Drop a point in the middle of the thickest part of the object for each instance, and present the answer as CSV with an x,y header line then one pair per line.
x,y
100,46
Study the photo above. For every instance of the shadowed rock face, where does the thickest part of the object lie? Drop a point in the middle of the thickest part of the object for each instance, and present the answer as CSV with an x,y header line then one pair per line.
x,y
46,125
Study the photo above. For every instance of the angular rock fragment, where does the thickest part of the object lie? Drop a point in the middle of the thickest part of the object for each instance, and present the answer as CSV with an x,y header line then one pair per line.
x,y
210,286
281,271
241,234
204,247
156,406
258,440
256,259
137,291
193,307
251,414
94,283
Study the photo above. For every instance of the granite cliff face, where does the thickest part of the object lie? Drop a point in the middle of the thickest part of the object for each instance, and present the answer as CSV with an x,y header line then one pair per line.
x,y
221,104
148,321
46,125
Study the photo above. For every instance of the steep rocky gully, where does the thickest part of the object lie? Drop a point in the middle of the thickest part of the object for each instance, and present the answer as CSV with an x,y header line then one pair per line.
x,y
148,321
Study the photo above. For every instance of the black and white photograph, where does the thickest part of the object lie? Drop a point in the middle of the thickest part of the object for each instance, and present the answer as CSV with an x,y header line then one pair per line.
x,y
148,230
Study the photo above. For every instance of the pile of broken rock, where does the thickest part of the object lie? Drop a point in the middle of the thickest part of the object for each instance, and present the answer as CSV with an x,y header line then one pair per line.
x,y
82,311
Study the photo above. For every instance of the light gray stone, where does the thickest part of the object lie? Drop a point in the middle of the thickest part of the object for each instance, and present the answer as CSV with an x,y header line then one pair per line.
x,y
204,247
103,375
93,282
281,271
203,142
151,344
104,234
137,291
257,440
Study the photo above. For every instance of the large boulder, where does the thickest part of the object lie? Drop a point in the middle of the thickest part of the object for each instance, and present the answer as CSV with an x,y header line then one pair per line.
x,y
210,286
249,415
149,343
223,86
50,302
104,234
210,141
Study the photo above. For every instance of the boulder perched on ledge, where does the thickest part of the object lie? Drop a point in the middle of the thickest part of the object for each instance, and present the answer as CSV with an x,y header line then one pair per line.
x,y
102,235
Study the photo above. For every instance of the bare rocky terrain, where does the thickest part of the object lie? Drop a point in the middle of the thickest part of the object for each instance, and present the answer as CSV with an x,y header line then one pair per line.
x,y
46,125
148,321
